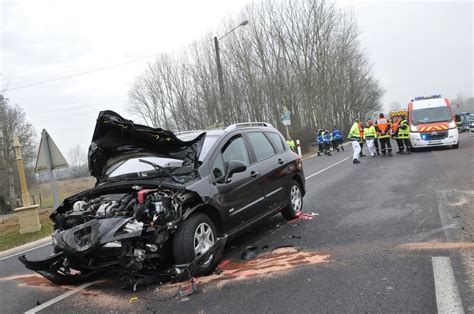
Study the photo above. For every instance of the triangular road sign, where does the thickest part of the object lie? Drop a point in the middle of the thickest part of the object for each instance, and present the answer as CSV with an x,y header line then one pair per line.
x,y
49,155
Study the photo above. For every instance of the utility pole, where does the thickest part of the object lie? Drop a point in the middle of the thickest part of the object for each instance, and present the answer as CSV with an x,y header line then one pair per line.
x,y
220,78
221,81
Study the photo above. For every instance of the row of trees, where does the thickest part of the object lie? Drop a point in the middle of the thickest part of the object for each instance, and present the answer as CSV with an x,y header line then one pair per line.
x,y
302,55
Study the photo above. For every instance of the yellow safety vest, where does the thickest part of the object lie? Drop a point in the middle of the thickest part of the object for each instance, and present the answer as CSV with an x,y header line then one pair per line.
x,y
354,133
370,133
404,133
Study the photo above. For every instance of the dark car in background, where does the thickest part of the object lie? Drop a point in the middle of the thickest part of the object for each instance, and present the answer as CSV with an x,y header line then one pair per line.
x,y
164,204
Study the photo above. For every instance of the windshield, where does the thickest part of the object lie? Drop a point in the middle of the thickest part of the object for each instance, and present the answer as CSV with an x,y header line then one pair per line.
x,y
431,115
133,168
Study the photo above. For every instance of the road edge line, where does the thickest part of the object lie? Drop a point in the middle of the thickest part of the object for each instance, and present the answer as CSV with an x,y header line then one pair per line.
x,y
448,299
60,297
328,167
25,248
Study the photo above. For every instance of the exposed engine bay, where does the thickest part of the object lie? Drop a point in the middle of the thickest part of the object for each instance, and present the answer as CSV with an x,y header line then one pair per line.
x,y
127,232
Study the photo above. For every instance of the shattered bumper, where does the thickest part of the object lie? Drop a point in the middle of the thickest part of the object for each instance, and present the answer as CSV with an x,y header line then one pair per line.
x,y
56,269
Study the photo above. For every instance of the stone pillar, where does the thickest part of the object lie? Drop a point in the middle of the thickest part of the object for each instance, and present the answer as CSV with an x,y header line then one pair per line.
x,y
28,215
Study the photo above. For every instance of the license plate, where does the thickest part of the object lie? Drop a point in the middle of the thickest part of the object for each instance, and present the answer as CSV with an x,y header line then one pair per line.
x,y
434,142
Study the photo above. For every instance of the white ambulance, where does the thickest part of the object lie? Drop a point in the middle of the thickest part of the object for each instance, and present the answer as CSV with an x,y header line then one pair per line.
x,y
432,122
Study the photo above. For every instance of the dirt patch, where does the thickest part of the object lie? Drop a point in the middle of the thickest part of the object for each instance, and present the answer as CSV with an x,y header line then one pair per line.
x,y
436,246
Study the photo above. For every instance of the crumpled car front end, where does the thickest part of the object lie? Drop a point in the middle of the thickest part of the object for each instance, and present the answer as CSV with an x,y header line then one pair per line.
x,y
126,223
124,233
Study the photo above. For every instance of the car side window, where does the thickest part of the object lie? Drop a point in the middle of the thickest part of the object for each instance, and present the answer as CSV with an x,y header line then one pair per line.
x,y
277,142
234,149
261,145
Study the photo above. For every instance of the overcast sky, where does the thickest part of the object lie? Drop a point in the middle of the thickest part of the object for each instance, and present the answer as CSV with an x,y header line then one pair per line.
x,y
416,48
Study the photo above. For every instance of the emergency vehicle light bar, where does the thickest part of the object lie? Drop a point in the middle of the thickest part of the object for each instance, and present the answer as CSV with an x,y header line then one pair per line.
x,y
427,97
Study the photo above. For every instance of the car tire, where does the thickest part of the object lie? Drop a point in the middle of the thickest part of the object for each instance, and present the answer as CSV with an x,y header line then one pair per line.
x,y
188,242
456,146
295,201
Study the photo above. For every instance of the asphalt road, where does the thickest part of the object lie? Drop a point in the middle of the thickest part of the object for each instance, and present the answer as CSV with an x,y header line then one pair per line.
x,y
392,235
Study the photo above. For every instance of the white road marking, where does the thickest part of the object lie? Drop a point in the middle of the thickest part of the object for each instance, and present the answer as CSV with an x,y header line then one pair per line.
x,y
447,294
25,251
335,164
60,297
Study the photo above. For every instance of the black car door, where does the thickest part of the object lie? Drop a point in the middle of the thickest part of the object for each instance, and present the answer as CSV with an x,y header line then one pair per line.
x,y
242,193
271,166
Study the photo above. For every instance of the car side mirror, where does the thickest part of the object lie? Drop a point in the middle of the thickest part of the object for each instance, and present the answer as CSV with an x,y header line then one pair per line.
x,y
457,118
234,166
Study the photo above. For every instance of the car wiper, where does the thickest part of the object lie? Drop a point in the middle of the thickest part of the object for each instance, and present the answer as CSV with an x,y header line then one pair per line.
x,y
162,169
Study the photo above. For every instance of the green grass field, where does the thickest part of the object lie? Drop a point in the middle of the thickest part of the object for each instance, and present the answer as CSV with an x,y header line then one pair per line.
x,y
9,229
10,232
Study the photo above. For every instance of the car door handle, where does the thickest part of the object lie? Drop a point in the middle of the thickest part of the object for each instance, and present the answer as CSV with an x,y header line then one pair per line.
x,y
253,174
280,161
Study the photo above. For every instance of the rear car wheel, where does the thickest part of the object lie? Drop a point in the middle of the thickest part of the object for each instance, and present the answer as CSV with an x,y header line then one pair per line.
x,y
194,238
295,201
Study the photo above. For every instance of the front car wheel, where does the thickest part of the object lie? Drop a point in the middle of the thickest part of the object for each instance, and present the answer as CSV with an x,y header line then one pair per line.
x,y
194,238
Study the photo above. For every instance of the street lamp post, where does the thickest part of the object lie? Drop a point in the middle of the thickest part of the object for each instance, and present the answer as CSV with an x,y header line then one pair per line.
x,y
219,72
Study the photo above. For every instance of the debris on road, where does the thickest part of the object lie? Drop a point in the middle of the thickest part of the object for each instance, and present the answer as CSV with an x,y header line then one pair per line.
x,y
249,253
190,289
304,216
295,236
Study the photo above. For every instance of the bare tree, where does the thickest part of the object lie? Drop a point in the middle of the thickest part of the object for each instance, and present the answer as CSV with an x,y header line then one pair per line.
x,y
303,55
78,161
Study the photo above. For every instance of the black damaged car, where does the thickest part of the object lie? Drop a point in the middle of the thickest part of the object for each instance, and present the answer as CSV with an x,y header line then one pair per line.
x,y
164,204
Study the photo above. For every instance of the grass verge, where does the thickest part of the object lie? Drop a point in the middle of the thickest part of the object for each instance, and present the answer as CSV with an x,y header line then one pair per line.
x,y
10,236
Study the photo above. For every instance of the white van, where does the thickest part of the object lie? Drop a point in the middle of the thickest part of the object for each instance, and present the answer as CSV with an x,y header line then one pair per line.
x,y
432,122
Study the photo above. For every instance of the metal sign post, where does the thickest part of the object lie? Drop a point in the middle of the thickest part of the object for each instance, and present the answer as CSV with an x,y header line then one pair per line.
x,y
49,159
52,181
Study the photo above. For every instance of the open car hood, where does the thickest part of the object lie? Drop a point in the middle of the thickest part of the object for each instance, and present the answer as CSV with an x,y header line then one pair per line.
x,y
116,138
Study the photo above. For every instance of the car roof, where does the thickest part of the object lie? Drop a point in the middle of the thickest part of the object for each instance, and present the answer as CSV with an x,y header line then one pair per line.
x,y
261,126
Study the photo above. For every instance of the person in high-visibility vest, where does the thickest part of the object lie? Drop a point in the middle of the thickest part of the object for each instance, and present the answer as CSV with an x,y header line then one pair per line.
x,y
291,143
354,137
320,142
404,134
396,134
327,142
337,139
361,141
383,133
370,134
376,140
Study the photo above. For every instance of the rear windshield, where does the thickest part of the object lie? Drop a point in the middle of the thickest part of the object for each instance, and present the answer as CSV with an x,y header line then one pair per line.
x,y
431,115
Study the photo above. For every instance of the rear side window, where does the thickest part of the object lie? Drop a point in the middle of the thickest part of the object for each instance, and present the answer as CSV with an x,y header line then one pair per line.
x,y
261,145
277,142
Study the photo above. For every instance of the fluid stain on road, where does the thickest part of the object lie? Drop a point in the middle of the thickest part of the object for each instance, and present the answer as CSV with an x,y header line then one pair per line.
x,y
34,280
276,261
